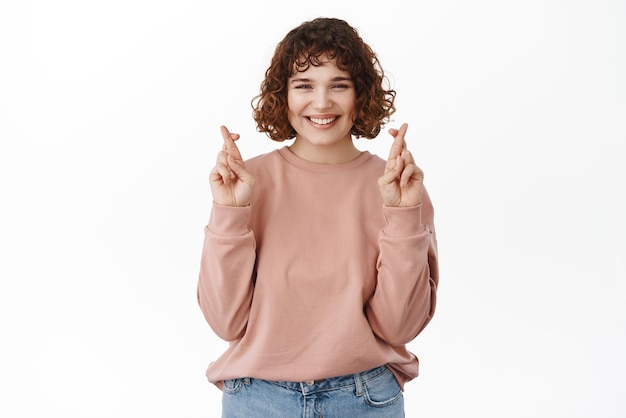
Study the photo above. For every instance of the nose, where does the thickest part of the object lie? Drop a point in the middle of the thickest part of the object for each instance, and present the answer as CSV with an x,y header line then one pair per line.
x,y
322,99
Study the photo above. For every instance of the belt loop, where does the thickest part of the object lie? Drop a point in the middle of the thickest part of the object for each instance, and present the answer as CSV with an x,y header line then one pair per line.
x,y
359,384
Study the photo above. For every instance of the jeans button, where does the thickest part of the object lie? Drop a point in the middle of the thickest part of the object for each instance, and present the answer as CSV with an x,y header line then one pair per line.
x,y
309,382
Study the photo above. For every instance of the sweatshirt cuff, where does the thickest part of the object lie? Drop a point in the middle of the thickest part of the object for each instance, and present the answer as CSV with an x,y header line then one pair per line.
x,y
229,220
403,221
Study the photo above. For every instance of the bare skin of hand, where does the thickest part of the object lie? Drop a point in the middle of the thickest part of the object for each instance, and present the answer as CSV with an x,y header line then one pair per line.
x,y
231,184
401,183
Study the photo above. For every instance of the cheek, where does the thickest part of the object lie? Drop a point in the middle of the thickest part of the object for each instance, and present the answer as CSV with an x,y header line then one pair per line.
x,y
350,104
293,99
294,106
290,103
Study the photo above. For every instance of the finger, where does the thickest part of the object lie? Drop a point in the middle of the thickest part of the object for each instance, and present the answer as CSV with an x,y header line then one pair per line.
x,y
223,167
224,172
394,133
219,174
239,171
234,137
229,143
393,173
398,167
214,175
409,171
398,142
222,158
408,157
226,136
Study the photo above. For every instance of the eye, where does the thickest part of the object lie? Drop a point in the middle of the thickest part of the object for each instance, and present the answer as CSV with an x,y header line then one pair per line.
x,y
340,86
302,86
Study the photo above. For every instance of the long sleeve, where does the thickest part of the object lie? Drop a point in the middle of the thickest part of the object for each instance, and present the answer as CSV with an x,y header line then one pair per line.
x,y
340,282
406,291
225,284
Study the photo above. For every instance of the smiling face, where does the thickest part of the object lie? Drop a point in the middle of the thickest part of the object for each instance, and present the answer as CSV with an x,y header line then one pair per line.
x,y
322,102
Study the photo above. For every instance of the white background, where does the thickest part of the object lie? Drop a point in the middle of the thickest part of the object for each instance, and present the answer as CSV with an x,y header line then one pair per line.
x,y
109,126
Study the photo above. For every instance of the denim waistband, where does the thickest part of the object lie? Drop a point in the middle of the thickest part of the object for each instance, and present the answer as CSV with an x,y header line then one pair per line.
x,y
333,383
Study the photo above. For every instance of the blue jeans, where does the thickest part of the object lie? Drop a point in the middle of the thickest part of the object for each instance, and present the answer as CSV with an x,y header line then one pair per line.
x,y
373,393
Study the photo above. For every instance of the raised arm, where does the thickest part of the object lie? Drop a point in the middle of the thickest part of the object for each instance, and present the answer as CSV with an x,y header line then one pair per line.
x,y
405,297
225,284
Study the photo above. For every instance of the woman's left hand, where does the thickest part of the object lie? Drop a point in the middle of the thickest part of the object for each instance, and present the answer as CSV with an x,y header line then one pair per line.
x,y
401,183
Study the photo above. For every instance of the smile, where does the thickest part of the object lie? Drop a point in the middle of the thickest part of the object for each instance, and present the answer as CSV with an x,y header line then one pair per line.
x,y
324,121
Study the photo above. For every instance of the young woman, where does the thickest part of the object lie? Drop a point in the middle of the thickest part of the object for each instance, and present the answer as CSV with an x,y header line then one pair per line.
x,y
320,260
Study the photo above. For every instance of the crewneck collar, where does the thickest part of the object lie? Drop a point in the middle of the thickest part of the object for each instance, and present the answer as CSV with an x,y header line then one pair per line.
x,y
299,162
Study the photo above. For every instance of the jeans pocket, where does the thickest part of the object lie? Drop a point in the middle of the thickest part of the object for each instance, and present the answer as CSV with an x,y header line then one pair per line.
x,y
232,385
383,390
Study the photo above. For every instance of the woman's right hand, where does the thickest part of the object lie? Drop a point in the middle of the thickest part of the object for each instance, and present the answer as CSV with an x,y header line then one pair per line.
x,y
231,184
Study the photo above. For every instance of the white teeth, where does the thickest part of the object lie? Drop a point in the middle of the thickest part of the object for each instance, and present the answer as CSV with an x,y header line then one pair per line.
x,y
322,121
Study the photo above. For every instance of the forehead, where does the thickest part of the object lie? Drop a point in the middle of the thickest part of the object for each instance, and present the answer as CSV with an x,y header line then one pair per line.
x,y
323,68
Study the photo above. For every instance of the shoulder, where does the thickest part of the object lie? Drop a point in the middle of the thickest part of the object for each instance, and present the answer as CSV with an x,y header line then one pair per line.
x,y
263,160
374,164
377,160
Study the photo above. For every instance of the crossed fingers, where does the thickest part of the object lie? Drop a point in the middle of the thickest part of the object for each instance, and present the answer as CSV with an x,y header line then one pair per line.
x,y
228,156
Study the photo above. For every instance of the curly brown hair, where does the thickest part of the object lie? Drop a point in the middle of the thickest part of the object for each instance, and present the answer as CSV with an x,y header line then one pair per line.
x,y
312,43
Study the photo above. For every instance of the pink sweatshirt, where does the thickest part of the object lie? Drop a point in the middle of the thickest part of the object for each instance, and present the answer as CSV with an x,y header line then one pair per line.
x,y
316,278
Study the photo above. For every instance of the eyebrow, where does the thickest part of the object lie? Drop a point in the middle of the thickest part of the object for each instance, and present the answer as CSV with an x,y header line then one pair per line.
x,y
308,80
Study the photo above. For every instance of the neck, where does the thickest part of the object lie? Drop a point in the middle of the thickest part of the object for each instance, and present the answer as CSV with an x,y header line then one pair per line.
x,y
337,153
